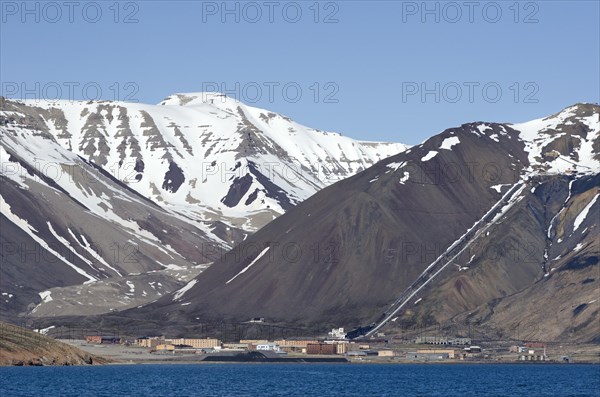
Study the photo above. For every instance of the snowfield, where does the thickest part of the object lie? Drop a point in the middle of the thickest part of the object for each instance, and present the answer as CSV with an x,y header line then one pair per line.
x,y
205,155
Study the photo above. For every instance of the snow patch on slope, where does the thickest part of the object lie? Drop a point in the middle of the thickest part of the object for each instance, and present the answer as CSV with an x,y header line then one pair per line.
x,y
183,290
584,212
429,155
449,142
263,252
24,225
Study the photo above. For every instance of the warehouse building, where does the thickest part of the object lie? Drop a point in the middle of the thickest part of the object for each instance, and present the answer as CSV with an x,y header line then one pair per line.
x,y
197,343
442,340
321,348
99,339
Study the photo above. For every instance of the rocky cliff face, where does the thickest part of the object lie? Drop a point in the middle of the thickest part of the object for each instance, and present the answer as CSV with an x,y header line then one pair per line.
x,y
203,155
20,346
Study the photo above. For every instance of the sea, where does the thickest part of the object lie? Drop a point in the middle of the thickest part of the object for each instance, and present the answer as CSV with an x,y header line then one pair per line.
x,y
289,380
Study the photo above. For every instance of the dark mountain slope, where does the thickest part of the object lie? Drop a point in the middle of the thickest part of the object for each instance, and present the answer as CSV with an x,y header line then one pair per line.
x,y
526,279
439,236
342,255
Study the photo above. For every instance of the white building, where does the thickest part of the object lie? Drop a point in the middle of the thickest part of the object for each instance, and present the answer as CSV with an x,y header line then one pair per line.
x,y
337,333
268,346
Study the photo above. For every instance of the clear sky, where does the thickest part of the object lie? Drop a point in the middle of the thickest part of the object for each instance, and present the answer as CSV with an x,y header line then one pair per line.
x,y
355,67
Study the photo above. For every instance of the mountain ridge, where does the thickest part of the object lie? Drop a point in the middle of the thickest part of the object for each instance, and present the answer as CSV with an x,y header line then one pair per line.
x,y
367,227
95,191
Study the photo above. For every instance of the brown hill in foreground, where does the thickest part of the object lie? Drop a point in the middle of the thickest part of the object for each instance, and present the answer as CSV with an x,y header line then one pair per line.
x,y
20,346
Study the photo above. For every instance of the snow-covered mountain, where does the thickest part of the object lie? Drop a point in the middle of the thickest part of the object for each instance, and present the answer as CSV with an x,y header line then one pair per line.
x,y
479,217
204,155
568,141
102,190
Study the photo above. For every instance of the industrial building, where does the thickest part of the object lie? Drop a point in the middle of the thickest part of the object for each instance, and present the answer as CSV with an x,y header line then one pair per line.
x,y
150,342
197,343
294,345
253,341
99,339
268,347
442,340
295,342
432,354
321,348
235,346
386,353
337,333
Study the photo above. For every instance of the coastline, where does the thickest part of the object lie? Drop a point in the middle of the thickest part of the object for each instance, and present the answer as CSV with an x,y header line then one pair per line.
x,y
130,355
114,354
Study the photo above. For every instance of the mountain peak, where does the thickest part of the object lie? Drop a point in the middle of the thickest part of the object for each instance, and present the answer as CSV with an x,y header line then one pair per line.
x,y
198,98
577,110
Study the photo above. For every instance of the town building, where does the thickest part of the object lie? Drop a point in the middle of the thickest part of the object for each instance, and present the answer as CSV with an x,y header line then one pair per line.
x,y
442,340
234,346
321,348
471,352
337,333
294,345
100,339
344,347
295,342
253,341
518,349
357,353
150,342
197,343
532,356
268,347
181,349
165,347
432,354
473,349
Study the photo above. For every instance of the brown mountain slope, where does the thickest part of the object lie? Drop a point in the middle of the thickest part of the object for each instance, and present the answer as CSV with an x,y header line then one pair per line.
x,y
20,346
525,280
418,232
341,256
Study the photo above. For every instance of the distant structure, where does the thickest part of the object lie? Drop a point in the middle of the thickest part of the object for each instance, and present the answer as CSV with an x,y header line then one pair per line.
x,y
268,347
530,351
197,343
337,333
294,345
150,341
442,340
321,348
99,339
432,354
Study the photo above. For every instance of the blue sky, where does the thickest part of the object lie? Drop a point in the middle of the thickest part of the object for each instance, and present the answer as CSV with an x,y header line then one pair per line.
x,y
355,67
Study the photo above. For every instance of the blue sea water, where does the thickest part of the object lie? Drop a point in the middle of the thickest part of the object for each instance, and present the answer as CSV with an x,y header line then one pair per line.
x,y
288,380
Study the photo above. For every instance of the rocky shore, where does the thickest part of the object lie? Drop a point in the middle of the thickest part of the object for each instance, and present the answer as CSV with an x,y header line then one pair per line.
x,y
19,346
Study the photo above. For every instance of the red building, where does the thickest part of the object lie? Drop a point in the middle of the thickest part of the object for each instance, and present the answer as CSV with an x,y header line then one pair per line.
x,y
321,348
